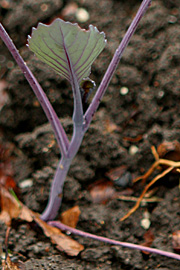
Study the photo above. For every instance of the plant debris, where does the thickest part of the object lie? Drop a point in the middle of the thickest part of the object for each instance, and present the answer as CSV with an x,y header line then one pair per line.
x,y
102,191
11,208
170,166
71,216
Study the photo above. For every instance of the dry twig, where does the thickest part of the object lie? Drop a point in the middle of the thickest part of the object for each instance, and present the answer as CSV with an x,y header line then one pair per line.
x,y
168,163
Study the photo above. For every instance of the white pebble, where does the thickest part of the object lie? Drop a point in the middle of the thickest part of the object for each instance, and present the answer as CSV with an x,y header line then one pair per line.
x,y
145,223
26,183
82,15
133,149
124,91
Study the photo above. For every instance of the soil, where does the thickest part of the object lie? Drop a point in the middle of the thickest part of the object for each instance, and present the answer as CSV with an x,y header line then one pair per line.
x,y
147,114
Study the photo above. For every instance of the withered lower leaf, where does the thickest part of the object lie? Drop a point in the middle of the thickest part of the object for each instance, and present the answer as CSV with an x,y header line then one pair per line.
x,y
64,242
13,209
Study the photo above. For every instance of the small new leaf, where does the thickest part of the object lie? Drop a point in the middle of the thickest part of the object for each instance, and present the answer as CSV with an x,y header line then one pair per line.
x,y
67,48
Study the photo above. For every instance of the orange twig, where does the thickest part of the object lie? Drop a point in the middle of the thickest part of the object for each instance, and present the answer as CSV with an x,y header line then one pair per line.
x,y
169,163
159,176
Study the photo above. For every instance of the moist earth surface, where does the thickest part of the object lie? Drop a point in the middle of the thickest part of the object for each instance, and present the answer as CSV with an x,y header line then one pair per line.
x,y
139,110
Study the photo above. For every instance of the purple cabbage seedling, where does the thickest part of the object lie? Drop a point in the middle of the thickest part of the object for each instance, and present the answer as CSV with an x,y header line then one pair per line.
x,y
71,51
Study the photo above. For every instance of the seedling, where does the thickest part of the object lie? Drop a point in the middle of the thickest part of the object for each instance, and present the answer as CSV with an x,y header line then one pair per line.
x,y
70,51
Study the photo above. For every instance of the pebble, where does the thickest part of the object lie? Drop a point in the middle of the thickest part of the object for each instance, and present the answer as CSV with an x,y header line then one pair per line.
x,y
26,183
133,149
82,15
124,91
145,223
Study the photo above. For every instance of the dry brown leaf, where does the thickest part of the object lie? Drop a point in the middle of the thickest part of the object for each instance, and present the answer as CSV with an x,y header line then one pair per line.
x,y
170,151
102,191
71,216
64,242
149,238
11,208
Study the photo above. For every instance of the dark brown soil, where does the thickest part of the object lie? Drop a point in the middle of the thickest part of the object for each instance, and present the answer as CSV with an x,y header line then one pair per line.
x,y
150,109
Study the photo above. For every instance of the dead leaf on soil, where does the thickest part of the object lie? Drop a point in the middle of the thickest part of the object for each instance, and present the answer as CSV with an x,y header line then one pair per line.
x,y
170,151
64,242
102,191
149,238
71,216
12,208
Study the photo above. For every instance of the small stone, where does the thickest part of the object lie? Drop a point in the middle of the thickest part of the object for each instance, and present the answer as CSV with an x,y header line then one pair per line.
x,y
145,223
124,91
26,183
82,15
133,149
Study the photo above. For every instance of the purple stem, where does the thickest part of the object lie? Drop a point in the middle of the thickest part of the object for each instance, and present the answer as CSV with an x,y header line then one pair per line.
x,y
64,227
114,63
56,193
46,105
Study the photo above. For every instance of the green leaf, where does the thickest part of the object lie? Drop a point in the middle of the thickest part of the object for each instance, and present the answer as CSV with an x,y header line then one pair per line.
x,y
67,48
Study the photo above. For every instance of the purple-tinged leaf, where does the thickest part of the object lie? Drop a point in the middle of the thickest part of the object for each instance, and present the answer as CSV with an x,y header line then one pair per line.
x,y
67,48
